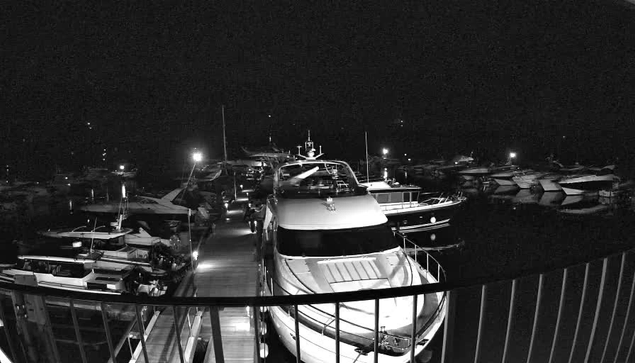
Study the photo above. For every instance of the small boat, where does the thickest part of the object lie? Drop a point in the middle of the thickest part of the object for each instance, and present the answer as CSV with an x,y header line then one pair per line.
x,y
175,204
578,185
527,178
549,182
101,232
80,274
409,210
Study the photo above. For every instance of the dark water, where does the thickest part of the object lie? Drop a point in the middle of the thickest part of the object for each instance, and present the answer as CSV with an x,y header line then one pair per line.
x,y
499,234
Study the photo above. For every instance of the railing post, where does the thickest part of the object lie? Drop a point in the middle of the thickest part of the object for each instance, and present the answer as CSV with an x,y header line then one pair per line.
x,y
556,331
536,315
142,332
448,329
217,338
617,296
337,332
297,334
376,333
78,333
577,325
413,333
481,323
104,317
605,264
177,331
510,318
628,314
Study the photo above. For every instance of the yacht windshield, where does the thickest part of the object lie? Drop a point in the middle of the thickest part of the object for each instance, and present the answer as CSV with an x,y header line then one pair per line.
x,y
328,178
340,242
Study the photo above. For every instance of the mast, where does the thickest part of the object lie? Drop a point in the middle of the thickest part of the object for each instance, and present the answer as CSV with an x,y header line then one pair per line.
x,y
366,142
224,139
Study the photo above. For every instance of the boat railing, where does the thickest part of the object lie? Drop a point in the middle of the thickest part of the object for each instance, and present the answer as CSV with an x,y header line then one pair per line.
x,y
580,312
430,264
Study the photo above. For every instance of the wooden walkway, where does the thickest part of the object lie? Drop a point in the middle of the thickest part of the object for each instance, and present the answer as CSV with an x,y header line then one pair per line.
x,y
226,267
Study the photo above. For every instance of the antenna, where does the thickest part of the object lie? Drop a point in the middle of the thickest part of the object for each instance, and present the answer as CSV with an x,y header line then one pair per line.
x,y
367,168
309,149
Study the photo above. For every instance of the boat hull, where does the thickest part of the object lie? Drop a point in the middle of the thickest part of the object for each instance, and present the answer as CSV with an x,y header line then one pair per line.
x,y
316,347
549,185
504,182
409,220
587,184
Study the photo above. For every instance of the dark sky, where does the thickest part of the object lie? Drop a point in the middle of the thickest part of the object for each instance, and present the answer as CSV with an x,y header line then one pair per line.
x,y
484,76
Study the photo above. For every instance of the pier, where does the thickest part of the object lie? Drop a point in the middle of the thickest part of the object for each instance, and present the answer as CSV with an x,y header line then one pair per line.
x,y
226,266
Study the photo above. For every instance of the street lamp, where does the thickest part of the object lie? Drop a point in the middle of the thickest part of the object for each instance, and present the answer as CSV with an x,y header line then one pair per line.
x,y
197,156
512,156
384,151
121,167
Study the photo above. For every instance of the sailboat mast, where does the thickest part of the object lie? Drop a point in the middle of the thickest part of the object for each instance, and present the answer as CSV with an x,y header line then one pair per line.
x,y
224,139
366,142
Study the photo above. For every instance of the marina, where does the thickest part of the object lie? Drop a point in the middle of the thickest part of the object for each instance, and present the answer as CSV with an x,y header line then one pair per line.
x,y
428,182
497,233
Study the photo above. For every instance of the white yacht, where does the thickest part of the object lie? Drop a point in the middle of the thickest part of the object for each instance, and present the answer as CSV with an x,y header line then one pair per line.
x,y
409,210
578,185
325,234
79,274
527,178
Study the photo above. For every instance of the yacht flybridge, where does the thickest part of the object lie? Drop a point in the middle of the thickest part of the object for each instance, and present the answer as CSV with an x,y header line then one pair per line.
x,y
324,233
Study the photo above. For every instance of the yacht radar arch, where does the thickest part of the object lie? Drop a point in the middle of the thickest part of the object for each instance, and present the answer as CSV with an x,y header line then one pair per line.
x,y
309,149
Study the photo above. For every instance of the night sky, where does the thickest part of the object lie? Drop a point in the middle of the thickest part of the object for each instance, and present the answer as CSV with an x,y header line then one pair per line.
x,y
486,76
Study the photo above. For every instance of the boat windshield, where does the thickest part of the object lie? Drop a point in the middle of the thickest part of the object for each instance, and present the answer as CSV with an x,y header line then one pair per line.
x,y
327,178
339,242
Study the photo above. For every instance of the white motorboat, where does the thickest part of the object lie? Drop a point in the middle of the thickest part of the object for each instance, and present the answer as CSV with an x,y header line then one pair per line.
x,y
80,274
527,178
504,178
549,182
475,172
578,185
324,233
101,232
168,205
408,210
128,236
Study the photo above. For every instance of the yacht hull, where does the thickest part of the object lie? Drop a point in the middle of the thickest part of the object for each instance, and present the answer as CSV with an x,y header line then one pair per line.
x,y
550,185
422,218
504,182
316,347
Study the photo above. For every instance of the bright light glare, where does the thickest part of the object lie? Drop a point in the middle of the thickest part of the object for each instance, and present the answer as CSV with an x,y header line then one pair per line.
x,y
121,167
197,156
205,266
195,255
512,155
384,151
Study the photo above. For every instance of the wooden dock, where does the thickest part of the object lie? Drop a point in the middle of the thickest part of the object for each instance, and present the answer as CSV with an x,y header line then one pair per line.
x,y
226,266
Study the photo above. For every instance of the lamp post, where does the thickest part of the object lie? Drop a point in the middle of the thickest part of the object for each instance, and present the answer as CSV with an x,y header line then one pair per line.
x,y
197,156
512,156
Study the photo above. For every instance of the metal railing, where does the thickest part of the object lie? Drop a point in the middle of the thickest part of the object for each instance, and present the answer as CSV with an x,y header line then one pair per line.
x,y
581,313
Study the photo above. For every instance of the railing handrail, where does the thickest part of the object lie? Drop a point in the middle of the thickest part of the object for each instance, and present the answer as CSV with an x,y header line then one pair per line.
x,y
243,301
